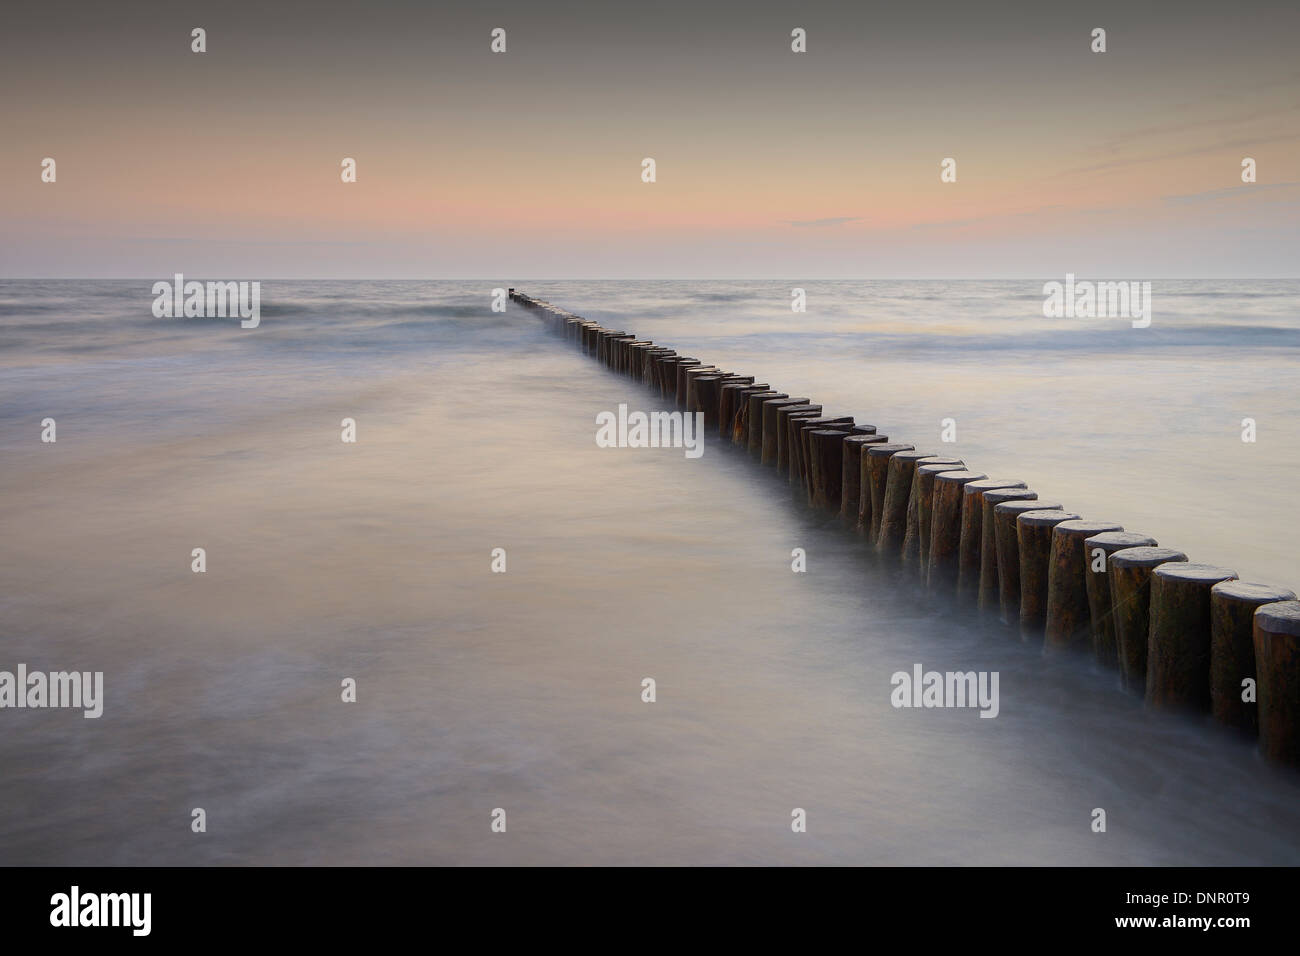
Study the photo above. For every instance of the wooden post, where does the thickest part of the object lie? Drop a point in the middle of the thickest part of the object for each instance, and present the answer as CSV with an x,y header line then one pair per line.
x,y
675,372
693,376
769,407
855,446
1232,649
972,523
754,419
728,404
740,424
872,481
1007,540
1069,619
1130,601
708,393
803,427
898,495
945,526
989,595
1096,577
1178,644
783,415
1034,542
825,467
1277,659
916,541
682,369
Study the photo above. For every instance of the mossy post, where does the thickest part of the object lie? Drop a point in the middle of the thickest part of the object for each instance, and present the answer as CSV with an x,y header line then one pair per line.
x,y
1277,661
972,524
1232,649
1096,577
1069,618
1130,601
1178,643
943,553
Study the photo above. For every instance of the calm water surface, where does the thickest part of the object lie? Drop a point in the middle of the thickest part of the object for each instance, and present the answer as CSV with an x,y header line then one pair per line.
x,y
522,690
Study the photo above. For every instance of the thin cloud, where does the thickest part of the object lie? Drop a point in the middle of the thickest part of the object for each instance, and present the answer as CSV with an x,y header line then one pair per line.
x,y
1229,192
819,223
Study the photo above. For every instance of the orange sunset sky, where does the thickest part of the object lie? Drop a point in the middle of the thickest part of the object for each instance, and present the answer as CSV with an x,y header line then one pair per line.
x,y
770,163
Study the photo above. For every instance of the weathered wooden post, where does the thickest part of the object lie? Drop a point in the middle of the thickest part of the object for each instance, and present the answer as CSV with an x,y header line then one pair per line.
x,y
754,419
769,407
1069,620
740,427
1277,660
1096,578
1034,541
898,497
851,487
1130,601
606,352
872,481
916,540
708,393
1232,649
783,415
636,357
682,369
972,522
728,405
945,525
825,467
1178,644
626,352
804,427
989,596
693,374
1006,537
674,368
650,370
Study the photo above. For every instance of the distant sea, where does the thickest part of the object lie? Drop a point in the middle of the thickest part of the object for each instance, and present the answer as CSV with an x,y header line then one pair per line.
x,y
522,690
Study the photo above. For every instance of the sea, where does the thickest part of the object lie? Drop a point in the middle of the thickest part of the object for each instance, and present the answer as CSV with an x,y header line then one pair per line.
x,y
349,680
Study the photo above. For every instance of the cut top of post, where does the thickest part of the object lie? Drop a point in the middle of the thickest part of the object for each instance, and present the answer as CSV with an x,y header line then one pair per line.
x,y
959,477
989,484
1079,528
1018,507
1196,573
1119,540
1044,517
1253,593
1146,557
1280,618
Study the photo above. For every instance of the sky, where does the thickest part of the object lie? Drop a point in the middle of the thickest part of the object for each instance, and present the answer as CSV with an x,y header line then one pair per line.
x,y
769,163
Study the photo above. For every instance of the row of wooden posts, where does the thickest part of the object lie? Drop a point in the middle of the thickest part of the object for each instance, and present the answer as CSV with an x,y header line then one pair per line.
x,y
1189,636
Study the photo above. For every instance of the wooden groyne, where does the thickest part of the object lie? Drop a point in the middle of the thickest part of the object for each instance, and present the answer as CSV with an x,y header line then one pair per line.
x,y
1190,637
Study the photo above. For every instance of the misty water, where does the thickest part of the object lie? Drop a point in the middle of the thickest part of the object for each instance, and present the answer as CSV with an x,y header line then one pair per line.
x,y
522,690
